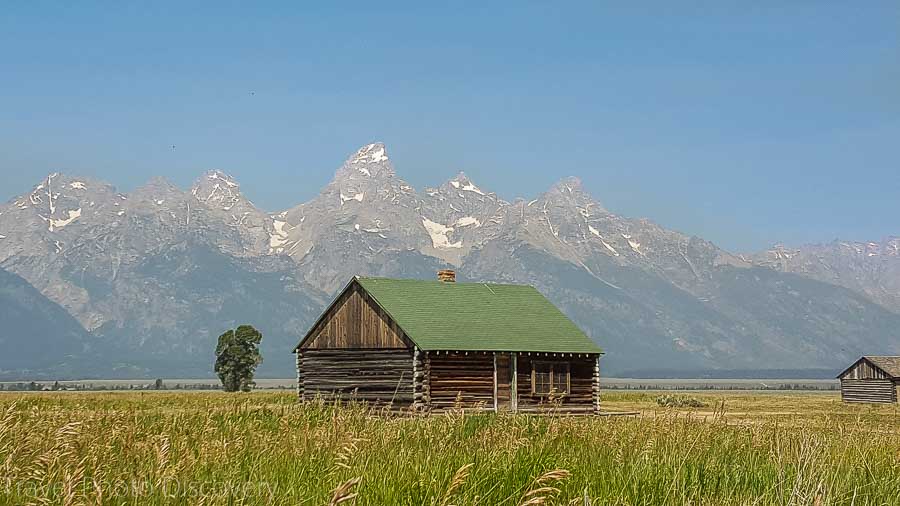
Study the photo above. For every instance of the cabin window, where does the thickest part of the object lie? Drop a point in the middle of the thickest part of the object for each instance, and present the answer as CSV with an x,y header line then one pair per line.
x,y
550,378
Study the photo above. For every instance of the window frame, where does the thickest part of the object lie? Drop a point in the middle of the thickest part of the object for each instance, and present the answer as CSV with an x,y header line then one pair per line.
x,y
554,369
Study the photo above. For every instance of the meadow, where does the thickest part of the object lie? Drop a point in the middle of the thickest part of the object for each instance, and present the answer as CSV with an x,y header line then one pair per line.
x,y
740,448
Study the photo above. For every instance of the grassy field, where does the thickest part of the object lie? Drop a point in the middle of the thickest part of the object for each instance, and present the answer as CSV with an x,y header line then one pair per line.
x,y
264,448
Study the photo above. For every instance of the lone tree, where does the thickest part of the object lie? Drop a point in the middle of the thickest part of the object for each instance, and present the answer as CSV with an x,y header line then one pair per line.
x,y
237,356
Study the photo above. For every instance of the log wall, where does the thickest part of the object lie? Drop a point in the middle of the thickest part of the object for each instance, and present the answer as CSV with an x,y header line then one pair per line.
x,y
464,377
376,376
583,396
868,390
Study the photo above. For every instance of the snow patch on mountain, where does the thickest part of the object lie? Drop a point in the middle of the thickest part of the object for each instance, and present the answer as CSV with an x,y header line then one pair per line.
x,y
468,221
369,154
57,224
358,197
77,185
440,235
229,182
636,246
472,188
279,238
609,248
379,156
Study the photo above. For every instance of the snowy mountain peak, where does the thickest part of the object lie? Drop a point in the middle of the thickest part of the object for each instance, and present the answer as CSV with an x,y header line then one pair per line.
x,y
462,183
218,177
158,270
57,204
369,161
217,189
571,191
570,184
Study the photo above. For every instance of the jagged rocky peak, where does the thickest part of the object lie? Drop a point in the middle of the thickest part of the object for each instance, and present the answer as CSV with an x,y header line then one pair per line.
x,y
217,189
892,246
60,200
58,185
157,183
569,197
369,161
157,194
156,189
572,189
462,183
368,178
781,252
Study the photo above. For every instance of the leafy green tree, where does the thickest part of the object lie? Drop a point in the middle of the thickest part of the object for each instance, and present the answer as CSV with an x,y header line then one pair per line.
x,y
237,356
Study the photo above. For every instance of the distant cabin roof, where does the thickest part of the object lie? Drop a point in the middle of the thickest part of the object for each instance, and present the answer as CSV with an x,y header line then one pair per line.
x,y
438,315
888,364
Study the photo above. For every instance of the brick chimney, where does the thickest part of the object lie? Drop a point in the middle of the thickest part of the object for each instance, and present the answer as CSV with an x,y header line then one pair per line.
x,y
447,275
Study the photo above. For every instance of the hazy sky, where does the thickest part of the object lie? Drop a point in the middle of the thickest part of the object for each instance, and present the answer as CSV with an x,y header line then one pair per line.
x,y
746,125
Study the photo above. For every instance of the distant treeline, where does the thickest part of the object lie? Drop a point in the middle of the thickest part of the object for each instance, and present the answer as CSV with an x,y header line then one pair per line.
x,y
56,386
39,386
721,386
730,374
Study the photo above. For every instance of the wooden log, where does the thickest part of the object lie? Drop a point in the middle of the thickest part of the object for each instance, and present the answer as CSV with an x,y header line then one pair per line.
x,y
383,376
868,390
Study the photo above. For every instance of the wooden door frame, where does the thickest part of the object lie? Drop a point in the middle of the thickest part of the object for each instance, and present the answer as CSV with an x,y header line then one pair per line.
x,y
495,382
513,382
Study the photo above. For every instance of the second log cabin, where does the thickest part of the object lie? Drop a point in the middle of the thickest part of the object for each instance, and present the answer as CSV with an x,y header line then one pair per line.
x,y
438,345
872,379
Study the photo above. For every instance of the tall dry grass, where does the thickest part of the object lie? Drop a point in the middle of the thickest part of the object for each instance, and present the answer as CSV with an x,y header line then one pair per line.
x,y
192,448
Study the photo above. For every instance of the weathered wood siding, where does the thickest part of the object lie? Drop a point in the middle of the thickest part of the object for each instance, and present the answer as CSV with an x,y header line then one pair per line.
x,y
468,377
355,322
868,390
377,376
583,396
864,370
504,382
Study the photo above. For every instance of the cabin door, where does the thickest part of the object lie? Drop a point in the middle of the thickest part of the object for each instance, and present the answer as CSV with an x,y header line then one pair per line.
x,y
504,388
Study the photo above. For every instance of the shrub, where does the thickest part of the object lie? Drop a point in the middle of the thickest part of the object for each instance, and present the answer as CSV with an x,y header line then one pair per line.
x,y
676,401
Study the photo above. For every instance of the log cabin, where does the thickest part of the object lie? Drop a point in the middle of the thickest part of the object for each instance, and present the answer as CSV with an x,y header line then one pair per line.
x,y
433,346
871,379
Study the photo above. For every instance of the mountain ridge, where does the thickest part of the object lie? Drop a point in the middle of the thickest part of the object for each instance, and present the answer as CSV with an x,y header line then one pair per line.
x,y
158,271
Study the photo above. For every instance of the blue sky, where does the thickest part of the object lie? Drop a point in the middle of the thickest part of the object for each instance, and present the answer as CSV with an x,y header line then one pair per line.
x,y
745,124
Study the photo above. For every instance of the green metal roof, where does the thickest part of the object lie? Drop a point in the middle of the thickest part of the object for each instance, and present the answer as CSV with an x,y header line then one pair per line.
x,y
438,315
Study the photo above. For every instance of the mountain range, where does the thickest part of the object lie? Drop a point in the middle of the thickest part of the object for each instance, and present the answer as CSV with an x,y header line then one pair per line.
x,y
140,284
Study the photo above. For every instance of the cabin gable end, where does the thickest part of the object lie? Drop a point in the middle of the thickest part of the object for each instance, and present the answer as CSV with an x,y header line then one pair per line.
x,y
864,369
355,321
